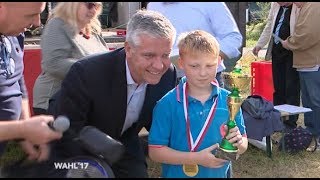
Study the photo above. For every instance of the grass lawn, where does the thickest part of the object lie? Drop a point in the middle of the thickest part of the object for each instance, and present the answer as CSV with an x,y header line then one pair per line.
x,y
255,163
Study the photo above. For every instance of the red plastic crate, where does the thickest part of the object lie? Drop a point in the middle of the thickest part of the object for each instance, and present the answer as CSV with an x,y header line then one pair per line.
x,y
32,69
262,83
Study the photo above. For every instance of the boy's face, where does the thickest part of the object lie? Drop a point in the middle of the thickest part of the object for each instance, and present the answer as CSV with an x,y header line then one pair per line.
x,y
199,69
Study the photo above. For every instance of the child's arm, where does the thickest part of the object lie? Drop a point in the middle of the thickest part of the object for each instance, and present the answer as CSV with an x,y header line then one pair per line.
x,y
164,154
239,141
243,146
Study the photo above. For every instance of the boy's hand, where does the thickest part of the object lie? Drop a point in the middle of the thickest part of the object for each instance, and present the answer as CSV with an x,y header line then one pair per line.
x,y
207,159
234,136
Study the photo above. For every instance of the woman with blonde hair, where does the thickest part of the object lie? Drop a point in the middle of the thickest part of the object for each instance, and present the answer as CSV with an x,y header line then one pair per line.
x,y
73,31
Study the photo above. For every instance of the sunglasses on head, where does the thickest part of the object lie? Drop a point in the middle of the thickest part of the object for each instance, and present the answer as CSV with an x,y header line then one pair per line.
x,y
91,5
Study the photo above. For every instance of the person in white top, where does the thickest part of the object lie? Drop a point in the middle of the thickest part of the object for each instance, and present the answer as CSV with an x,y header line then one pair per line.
x,y
285,77
212,17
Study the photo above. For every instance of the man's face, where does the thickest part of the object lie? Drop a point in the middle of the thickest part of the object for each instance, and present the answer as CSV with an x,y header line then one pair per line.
x,y
15,17
149,60
200,69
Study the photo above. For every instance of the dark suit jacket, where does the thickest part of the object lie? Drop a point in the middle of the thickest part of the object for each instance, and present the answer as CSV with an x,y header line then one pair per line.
x,y
94,92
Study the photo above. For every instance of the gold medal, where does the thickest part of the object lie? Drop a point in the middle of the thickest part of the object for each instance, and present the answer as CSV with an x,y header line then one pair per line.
x,y
190,169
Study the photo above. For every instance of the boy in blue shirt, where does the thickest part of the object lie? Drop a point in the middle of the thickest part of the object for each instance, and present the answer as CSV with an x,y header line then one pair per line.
x,y
189,121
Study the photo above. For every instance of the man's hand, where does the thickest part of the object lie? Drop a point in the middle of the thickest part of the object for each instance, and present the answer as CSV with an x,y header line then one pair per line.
x,y
285,44
37,131
223,55
36,152
256,50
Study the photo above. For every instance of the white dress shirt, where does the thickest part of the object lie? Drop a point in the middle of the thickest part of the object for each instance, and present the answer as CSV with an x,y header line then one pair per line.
x,y
135,98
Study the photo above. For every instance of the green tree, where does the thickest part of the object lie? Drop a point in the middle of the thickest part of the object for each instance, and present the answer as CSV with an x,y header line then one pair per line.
x,y
255,28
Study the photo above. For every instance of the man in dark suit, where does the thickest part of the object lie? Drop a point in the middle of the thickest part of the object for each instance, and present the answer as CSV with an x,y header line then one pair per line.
x,y
116,91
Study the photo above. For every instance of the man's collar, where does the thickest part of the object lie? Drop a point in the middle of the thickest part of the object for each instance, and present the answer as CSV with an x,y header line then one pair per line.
x,y
130,80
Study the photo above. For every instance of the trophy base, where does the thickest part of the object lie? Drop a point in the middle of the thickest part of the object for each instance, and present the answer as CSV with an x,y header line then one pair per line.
x,y
231,156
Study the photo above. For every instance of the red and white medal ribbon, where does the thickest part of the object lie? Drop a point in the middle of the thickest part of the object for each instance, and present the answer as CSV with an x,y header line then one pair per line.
x,y
193,145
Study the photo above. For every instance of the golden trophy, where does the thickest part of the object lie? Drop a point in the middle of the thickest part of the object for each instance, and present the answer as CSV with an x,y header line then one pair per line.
x,y
237,82
245,62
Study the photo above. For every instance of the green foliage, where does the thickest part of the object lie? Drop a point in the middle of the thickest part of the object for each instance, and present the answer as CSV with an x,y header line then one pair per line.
x,y
13,153
264,10
254,31
250,43
255,28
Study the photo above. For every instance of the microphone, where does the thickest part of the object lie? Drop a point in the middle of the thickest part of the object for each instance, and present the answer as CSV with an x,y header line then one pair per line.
x,y
61,124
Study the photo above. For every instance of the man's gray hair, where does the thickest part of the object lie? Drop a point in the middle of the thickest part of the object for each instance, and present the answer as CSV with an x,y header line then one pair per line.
x,y
149,23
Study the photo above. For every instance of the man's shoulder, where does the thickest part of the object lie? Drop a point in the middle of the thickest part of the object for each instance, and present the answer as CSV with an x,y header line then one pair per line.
x,y
169,78
169,98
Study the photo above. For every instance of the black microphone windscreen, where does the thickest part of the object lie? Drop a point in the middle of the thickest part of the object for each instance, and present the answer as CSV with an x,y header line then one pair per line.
x,y
100,144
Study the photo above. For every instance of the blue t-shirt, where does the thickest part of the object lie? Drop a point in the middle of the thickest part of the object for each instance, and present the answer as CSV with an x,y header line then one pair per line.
x,y
12,87
169,127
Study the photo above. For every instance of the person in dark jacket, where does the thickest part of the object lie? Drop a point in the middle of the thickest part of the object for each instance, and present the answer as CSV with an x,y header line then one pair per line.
x,y
116,91
260,117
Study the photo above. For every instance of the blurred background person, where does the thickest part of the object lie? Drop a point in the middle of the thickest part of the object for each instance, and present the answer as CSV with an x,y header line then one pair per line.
x,y
15,18
212,17
305,45
281,21
117,91
73,31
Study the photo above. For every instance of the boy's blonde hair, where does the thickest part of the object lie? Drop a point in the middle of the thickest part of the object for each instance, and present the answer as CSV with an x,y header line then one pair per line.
x,y
197,42
68,11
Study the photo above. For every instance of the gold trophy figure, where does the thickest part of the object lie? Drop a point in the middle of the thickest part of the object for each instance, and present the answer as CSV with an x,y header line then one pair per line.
x,y
236,82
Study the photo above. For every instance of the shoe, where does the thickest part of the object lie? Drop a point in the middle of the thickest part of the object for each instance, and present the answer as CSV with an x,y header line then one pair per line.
x,y
318,144
314,145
